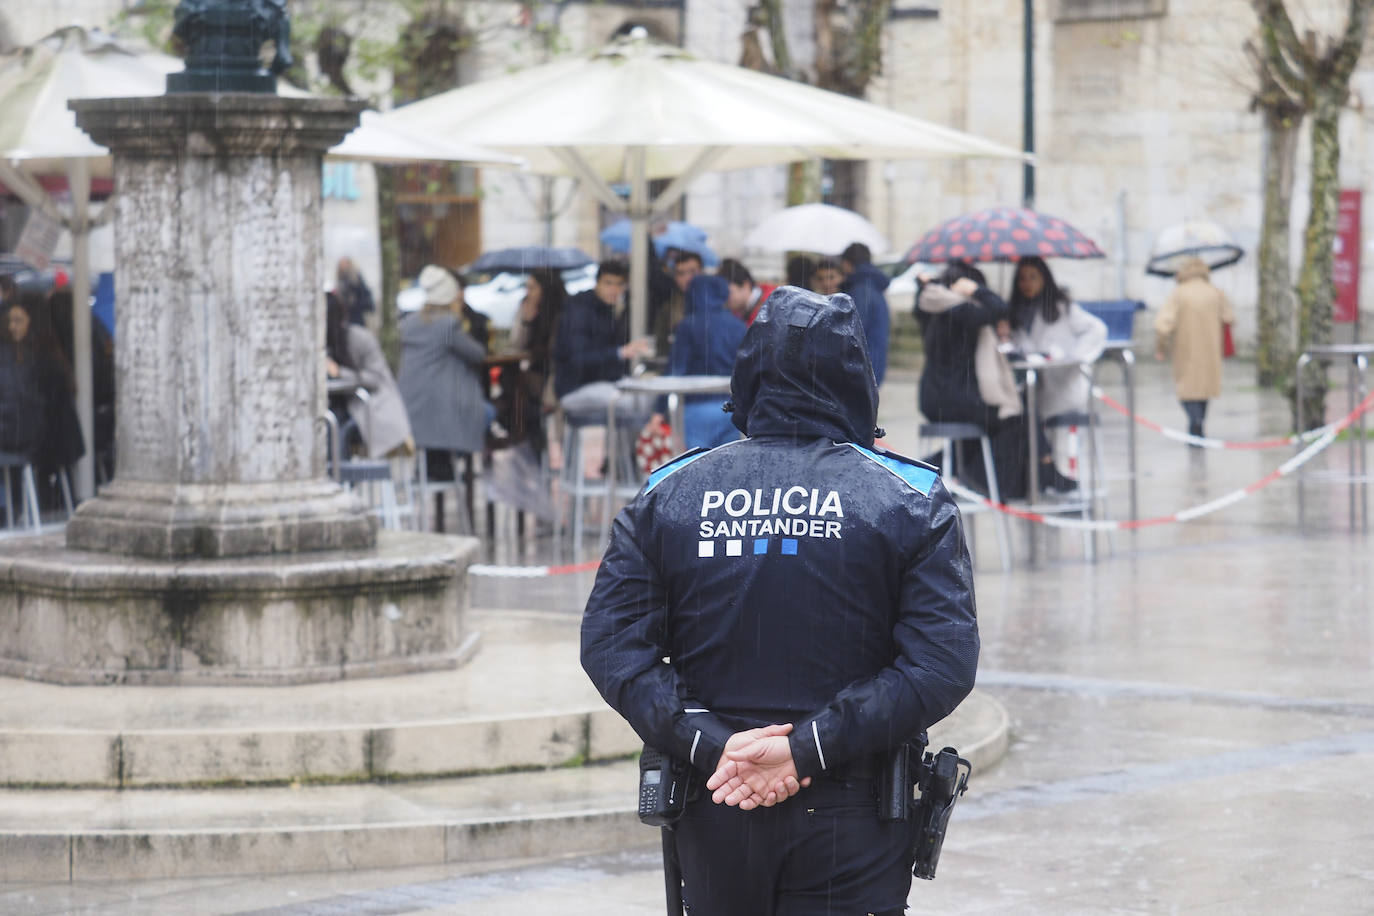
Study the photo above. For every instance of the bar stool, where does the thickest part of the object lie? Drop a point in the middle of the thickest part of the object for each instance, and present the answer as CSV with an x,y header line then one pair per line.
x,y
574,481
463,482
1091,488
28,487
960,432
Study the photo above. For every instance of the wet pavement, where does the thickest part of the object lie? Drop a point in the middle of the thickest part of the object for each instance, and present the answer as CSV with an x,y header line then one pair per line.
x,y
1192,717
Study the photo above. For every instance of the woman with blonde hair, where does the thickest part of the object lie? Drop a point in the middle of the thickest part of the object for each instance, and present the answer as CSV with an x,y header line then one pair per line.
x,y
440,377
1188,328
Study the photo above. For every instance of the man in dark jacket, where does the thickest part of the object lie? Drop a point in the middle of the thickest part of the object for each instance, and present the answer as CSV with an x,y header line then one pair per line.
x,y
705,343
593,345
815,598
865,284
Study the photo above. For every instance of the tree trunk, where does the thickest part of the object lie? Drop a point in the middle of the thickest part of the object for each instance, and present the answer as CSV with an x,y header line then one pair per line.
x,y
804,182
826,65
1315,290
1275,339
388,234
777,37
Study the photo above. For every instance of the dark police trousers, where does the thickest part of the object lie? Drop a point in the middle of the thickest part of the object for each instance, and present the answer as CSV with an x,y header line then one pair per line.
x,y
823,852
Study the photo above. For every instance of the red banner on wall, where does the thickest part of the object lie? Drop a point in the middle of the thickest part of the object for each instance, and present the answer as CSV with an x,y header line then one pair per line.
x,y
1346,270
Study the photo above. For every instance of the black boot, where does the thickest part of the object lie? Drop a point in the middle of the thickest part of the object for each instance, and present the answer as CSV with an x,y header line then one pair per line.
x,y
1051,481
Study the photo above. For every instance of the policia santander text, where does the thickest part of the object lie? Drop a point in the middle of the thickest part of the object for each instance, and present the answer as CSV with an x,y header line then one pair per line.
x,y
813,598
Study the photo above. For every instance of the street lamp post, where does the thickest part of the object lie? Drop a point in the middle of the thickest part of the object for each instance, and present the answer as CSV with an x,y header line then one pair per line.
x,y
1028,103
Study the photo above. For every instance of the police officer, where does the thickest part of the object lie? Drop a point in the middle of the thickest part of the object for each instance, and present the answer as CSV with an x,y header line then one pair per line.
x,y
813,597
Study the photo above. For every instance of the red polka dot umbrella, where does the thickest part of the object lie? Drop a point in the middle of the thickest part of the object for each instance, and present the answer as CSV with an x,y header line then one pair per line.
x,y
1002,234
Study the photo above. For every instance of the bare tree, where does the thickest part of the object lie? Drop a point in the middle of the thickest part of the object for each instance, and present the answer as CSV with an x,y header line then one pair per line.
x,y
1315,71
848,44
1282,116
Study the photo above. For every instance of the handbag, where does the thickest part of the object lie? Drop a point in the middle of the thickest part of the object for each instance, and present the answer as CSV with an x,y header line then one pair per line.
x,y
653,446
1228,343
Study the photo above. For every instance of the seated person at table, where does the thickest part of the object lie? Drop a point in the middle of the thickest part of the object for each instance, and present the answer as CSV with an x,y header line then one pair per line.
x,y
354,356
801,272
592,348
525,393
1046,321
441,377
38,418
828,276
705,343
966,381
746,296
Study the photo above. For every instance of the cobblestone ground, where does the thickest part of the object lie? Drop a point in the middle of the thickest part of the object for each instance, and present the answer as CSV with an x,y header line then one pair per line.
x,y
1192,717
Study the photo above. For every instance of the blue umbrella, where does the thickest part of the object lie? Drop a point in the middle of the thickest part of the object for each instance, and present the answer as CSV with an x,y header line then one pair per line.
x,y
530,257
678,234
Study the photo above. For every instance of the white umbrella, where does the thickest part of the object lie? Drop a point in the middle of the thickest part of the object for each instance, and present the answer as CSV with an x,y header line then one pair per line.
x,y
636,110
821,228
1193,239
38,135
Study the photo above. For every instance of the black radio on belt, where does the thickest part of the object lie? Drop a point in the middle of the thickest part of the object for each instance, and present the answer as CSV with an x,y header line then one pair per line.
x,y
663,785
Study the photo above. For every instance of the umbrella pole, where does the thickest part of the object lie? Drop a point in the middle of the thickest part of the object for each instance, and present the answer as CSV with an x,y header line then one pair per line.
x,y
79,179
639,244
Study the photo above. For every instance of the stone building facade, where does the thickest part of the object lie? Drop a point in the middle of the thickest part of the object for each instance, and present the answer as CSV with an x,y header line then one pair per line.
x,y
1142,120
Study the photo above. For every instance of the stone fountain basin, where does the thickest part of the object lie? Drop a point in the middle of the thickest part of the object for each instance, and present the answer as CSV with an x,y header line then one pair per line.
x,y
82,617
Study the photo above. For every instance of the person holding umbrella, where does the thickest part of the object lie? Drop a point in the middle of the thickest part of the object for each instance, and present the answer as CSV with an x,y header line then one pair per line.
x,y
1188,328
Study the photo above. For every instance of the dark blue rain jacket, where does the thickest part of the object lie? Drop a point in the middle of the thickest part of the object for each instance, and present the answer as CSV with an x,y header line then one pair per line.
x,y
587,346
866,286
799,575
708,337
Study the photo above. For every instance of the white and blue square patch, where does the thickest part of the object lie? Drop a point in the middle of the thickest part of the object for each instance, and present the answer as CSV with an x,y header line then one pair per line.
x,y
735,547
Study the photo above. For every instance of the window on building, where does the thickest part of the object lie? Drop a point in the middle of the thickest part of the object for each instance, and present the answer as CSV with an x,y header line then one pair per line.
x,y
914,9
1087,10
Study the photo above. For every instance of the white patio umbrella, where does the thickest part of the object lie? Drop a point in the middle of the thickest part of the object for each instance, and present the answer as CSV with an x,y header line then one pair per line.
x,y
636,111
39,136
821,228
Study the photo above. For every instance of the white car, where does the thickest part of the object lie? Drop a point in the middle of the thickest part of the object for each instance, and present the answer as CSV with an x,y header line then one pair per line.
x,y
500,297
901,289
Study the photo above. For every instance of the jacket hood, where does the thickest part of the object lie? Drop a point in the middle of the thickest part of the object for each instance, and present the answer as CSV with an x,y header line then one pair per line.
x,y
706,293
869,275
1192,269
803,370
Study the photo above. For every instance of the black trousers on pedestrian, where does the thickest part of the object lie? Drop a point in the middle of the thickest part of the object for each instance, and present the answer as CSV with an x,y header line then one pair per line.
x,y
1197,413
822,852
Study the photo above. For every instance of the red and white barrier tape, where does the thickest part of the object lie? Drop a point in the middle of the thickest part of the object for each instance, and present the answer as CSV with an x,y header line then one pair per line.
x,y
1328,436
1207,441
531,572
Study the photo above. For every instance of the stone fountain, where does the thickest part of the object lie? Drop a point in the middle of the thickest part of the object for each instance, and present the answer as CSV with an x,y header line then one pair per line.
x,y
222,552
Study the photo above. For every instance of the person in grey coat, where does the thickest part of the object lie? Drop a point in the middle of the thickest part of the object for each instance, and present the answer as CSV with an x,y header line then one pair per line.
x,y
353,355
441,367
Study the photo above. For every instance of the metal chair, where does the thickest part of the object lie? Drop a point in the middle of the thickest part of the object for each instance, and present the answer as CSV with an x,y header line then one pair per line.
x,y
28,487
1091,483
620,482
355,472
960,432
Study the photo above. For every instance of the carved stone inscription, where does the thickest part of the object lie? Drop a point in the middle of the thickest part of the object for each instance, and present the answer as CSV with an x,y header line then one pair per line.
x,y
220,329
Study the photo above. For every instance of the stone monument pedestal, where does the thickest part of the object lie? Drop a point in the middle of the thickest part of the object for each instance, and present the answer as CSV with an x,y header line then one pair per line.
x,y
222,552
219,329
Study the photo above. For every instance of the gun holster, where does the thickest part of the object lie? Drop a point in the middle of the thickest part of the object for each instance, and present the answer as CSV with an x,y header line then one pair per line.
x,y
942,778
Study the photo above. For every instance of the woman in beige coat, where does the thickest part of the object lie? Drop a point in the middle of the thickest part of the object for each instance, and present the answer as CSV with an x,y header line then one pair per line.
x,y
1188,328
